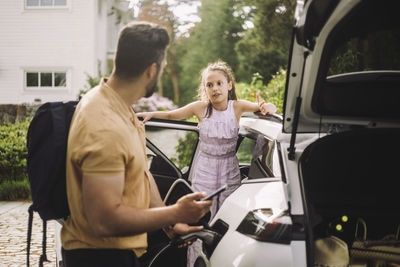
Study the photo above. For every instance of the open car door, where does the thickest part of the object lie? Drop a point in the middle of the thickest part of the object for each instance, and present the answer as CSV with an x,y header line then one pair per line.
x,y
170,146
170,149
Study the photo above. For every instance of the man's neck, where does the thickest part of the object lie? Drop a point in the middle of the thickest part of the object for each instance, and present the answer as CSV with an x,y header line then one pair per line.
x,y
129,91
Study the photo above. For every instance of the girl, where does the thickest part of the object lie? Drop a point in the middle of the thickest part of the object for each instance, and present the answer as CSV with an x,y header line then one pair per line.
x,y
218,113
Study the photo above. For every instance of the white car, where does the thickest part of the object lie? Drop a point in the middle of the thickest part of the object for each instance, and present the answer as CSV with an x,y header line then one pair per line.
x,y
330,162
337,149
333,161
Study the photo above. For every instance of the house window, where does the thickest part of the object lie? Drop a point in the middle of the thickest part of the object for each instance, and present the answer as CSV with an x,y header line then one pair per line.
x,y
46,3
46,80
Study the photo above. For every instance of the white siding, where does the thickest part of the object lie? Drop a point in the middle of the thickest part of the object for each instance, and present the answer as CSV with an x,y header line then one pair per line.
x,y
45,39
103,9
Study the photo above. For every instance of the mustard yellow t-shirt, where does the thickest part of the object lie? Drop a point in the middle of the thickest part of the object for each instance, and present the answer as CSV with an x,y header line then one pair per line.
x,y
105,139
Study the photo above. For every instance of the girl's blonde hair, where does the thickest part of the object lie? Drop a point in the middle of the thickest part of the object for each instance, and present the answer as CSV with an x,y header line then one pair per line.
x,y
223,67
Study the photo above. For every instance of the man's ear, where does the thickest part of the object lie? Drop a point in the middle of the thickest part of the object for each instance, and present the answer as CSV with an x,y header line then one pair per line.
x,y
151,71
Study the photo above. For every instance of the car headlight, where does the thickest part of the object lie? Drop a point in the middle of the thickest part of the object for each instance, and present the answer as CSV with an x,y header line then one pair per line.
x,y
267,225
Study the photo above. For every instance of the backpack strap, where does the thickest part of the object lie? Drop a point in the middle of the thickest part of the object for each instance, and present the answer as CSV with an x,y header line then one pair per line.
x,y
43,257
30,210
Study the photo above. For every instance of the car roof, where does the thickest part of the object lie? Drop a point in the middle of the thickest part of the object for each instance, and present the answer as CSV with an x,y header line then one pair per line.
x,y
324,89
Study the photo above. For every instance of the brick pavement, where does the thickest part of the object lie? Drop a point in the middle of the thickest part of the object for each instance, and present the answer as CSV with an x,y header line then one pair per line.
x,y
13,235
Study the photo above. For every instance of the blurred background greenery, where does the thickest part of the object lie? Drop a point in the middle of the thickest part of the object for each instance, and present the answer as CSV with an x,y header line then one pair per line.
x,y
252,36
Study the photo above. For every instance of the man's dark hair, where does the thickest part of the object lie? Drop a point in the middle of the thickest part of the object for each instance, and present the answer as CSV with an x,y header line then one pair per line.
x,y
140,44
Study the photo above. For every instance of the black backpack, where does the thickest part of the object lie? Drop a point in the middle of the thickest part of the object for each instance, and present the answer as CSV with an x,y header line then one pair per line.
x,y
47,140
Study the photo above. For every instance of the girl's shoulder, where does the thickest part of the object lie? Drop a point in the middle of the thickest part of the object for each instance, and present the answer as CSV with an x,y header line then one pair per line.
x,y
239,106
200,105
235,103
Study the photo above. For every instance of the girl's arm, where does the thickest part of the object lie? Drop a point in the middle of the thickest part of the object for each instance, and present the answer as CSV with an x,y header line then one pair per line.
x,y
187,111
243,106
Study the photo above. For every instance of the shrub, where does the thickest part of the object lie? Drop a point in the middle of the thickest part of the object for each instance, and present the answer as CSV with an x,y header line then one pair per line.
x,y
15,190
273,92
13,151
14,183
185,150
92,81
153,103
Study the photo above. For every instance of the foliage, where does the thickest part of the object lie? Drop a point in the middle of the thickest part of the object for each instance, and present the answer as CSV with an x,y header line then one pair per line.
x,y
92,81
161,12
121,10
213,38
153,103
15,190
344,62
265,47
185,149
377,50
245,151
272,92
13,151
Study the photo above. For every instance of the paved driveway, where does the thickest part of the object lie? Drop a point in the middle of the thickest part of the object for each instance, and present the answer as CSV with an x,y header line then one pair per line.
x,y
13,236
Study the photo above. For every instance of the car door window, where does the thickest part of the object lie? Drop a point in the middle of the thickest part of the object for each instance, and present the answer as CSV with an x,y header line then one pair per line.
x,y
261,155
245,151
176,144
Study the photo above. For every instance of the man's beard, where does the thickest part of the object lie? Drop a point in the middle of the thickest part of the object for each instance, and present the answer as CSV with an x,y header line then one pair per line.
x,y
152,85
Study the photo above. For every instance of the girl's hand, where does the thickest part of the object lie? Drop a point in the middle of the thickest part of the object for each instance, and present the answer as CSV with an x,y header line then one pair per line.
x,y
266,108
145,115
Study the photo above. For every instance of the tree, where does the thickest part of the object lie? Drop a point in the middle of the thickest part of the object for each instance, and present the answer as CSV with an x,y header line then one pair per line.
x,y
161,12
120,9
265,47
213,38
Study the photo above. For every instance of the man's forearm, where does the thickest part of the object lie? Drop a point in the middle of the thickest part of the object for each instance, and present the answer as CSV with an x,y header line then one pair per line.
x,y
126,220
108,216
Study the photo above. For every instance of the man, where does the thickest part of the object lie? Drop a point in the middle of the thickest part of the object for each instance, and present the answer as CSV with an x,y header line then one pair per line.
x,y
112,196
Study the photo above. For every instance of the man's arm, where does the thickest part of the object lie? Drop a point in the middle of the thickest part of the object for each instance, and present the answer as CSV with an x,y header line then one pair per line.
x,y
109,217
156,201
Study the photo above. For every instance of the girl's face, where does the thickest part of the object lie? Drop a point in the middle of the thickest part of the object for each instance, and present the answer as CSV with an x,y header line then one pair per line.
x,y
217,87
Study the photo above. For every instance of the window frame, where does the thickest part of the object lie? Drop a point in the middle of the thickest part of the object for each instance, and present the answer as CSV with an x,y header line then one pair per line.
x,y
52,88
258,165
50,7
181,126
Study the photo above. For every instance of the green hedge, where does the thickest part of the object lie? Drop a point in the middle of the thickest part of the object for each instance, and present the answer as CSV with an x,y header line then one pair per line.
x,y
13,151
15,190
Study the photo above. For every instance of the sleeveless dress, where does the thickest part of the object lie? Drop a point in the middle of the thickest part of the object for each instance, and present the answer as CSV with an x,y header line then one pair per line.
x,y
216,163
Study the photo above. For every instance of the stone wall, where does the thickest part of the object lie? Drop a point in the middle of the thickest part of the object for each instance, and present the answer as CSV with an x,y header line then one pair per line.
x,y
16,112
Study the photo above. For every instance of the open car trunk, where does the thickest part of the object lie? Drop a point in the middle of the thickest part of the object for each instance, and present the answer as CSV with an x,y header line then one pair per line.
x,y
354,174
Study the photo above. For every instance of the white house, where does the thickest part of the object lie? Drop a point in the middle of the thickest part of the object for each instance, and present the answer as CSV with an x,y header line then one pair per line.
x,y
48,47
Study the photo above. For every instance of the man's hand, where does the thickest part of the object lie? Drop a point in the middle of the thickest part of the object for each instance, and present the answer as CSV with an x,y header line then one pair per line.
x,y
190,209
182,229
